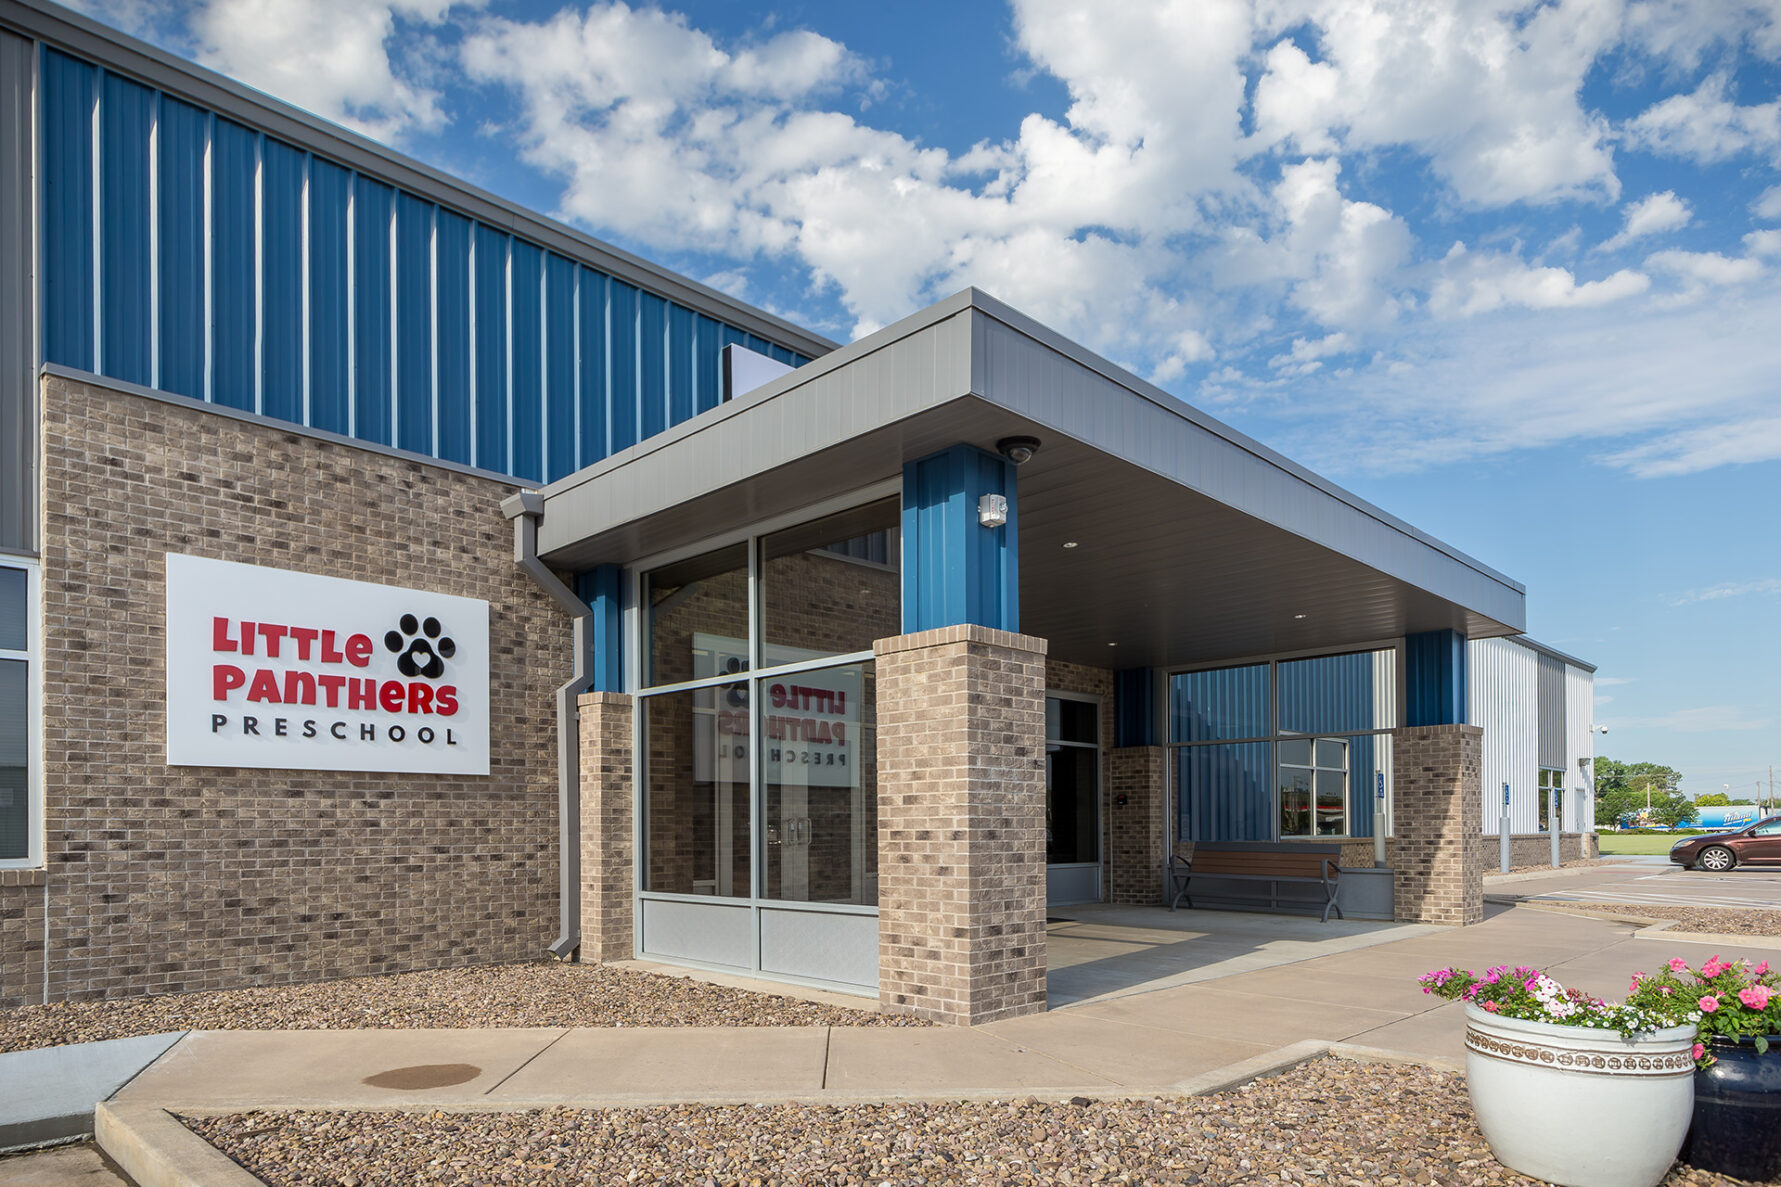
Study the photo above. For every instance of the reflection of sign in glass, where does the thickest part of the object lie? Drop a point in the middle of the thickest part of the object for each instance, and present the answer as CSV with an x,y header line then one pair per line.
x,y
810,722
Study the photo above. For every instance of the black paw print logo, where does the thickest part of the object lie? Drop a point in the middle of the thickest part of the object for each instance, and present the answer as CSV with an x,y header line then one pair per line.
x,y
420,649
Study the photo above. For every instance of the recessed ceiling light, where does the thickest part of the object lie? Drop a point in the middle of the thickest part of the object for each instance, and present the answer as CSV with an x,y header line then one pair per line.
x,y
1069,543
1298,616
1113,644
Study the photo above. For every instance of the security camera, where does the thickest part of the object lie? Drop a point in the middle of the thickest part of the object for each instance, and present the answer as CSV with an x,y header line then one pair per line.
x,y
1018,449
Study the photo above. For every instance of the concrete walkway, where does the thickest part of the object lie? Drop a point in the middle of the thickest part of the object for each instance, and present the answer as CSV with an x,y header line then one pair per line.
x,y
1147,1040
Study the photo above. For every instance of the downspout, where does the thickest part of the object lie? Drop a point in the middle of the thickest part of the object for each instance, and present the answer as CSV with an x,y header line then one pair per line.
x,y
525,509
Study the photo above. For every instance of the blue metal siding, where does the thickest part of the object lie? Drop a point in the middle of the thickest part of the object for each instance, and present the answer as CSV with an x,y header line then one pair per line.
x,y
372,204
593,362
621,321
184,250
126,113
954,569
602,589
330,302
452,304
527,390
1435,676
1330,694
680,364
282,170
652,358
414,323
69,90
234,159
1134,707
184,136
490,365
707,366
559,367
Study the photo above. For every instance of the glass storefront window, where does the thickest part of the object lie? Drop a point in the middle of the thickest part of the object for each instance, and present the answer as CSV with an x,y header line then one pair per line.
x,y
696,802
819,786
1339,694
1314,788
1219,704
1552,791
833,586
697,617
1072,781
1226,791
15,785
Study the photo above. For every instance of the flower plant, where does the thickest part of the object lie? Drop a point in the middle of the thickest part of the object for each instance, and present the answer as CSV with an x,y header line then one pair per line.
x,y
1529,995
1732,999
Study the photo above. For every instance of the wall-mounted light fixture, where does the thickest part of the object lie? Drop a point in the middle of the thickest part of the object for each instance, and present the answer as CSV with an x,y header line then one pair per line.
x,y
992,510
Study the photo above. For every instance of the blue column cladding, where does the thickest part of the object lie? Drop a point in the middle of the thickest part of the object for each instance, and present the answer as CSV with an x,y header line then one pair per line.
x,y
1435,678
955,570
1134,707
601,588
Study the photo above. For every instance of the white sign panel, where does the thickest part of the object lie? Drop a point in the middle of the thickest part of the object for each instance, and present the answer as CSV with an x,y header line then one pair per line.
x,y
272,669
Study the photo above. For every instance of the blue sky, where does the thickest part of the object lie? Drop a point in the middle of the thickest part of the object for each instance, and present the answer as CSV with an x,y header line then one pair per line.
x,y
1510,270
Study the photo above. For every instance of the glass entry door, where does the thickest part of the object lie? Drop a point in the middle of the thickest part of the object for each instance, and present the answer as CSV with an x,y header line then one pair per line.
x,y
1072,799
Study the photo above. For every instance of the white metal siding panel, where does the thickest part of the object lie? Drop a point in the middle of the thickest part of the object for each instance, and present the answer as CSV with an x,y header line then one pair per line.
x,y
1502,697
1580,745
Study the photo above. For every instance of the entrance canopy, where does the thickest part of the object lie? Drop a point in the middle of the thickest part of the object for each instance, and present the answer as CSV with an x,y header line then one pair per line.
x,y
1150,534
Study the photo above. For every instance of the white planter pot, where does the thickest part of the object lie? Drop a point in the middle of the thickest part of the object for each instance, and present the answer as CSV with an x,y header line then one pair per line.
x,y
1579,1106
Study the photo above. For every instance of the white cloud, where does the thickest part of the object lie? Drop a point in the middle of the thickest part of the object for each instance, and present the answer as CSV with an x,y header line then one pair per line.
x,y
1651,215
1768,204
1307,354
1732,442
1688,32
1490,92
1728,589
1469,283
332,57
1696,272
1707,126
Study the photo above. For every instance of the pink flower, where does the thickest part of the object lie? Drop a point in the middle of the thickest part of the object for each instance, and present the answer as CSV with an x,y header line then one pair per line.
x,y
1713,967
1709,1004
1678,965
1490,1007
1761,968
1756,996
1699,1050
1668,991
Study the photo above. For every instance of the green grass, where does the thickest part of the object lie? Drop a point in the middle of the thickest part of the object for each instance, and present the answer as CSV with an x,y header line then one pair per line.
x,y
1615,844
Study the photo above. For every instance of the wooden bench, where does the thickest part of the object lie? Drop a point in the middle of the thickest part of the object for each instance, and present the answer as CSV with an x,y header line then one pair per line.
x,y
1274,866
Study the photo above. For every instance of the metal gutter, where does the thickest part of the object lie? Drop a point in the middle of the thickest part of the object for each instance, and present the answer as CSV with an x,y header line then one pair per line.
x,y
525,509
1543,649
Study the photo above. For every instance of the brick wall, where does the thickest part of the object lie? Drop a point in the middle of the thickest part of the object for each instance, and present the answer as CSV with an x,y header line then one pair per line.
x,y
961,833
1437,876
607,839
1137,831
1535,849
162,879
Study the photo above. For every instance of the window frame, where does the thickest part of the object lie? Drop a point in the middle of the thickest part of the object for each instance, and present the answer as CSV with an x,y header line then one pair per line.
x,y
1099,703
1383,814
636,627
32,658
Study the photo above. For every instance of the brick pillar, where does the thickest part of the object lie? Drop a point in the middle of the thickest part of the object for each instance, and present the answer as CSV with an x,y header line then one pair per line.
x,y
1438,818
961,824
606,838
1136,830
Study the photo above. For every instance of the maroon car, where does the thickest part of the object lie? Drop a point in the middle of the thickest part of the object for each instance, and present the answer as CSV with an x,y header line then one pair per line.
x,y
1757,844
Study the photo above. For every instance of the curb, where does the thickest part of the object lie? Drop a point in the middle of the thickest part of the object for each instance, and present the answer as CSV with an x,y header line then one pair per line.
x,y
47,1094
155,1150
1360,1053
1650,929
1561,872
1256,1067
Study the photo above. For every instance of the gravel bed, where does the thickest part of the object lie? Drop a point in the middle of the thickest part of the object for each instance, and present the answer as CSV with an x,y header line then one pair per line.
x,y
540,994
1724,921
1326,1122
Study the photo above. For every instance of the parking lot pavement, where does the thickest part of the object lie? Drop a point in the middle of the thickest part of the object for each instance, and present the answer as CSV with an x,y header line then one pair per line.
x,y
1746,888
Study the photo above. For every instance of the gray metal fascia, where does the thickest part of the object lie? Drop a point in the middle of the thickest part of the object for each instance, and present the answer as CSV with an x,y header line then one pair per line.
x,y
1021,323
129,56
918,364
1540,648
1032,378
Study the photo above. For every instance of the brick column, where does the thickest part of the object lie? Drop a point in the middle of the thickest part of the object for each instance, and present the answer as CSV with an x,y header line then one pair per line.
x,y
607,800
961,824
1438,818
1135,829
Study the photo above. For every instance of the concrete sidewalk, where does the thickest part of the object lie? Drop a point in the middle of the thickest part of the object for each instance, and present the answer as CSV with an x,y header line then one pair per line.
x,y
1141,1042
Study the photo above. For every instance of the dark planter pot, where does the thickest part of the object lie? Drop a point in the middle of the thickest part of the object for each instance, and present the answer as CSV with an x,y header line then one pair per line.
x,y
1737,1112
